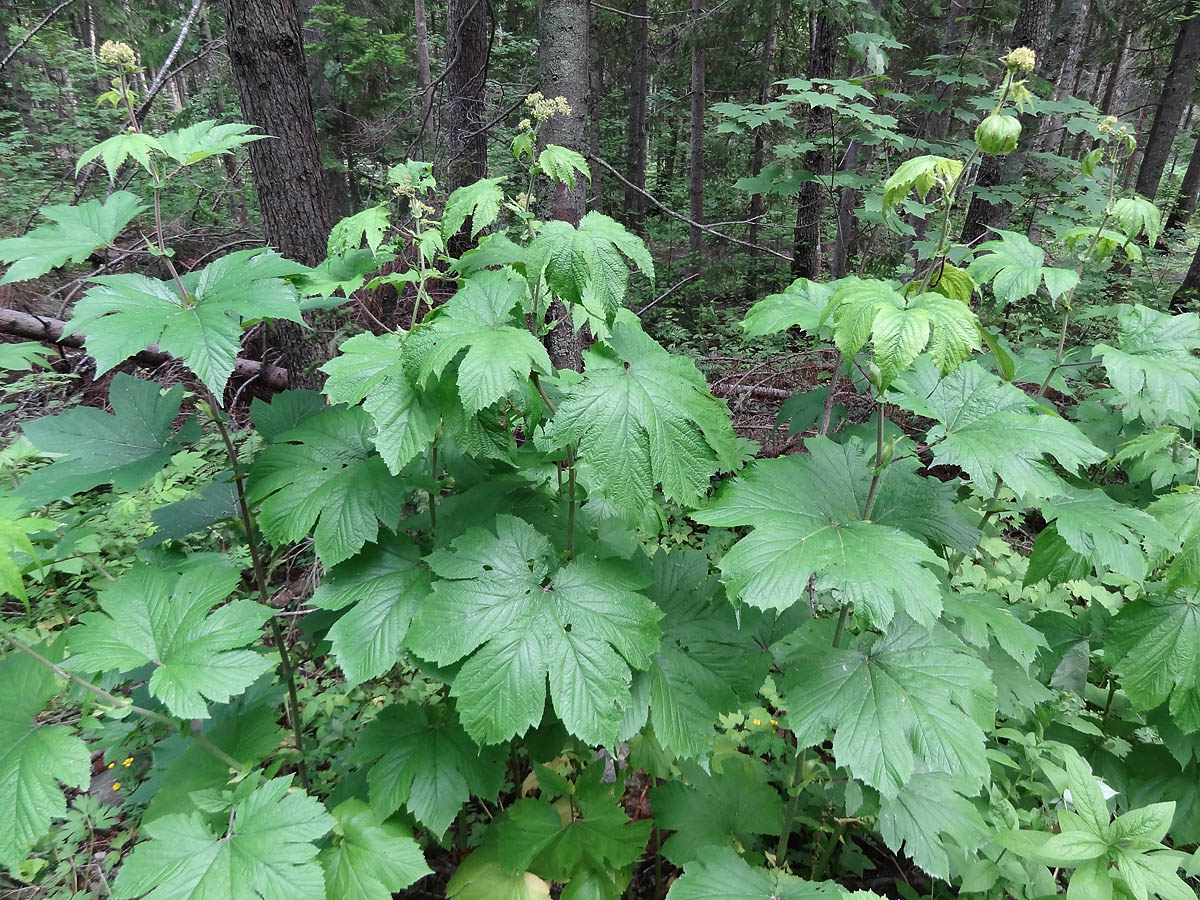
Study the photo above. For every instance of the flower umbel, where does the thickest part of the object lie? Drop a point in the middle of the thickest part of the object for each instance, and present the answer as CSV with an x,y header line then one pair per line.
x,y
119,54
1020,61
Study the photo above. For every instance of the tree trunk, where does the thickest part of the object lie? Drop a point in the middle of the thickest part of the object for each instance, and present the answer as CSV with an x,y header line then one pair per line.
x,y
639,91
466,76
595,118
1187,297
806,253
696,140
758,202
563,63
1185,203
953,33
266,56
424,78
1174,97
1070,29
1111,99
1028,31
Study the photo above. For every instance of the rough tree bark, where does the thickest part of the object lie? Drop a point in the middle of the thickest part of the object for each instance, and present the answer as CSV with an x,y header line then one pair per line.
x,y
639,90
696,140
594,123
1185,202
806,252
1069,29
266,56
953,35
1117,73
563,62
1171,102
466,76
1028,31
424,78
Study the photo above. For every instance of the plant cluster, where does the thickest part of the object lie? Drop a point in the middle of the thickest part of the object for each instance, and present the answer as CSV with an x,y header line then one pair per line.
x,y
566,627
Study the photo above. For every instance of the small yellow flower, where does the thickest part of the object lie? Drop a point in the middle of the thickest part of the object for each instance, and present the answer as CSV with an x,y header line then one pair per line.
x,y
116,785
756,721
774,721
110,765
127,762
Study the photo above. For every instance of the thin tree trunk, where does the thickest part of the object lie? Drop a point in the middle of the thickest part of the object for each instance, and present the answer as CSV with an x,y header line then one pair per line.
x,y
639,90
1070,29
1185,202
595,119
806,253
953,33
563,64
466,76
1118,68
1187,297
696,140
267,60
424,78
1171,101
758,202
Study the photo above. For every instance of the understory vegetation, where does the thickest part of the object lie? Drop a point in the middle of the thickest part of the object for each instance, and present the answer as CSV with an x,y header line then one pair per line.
x,y
504,550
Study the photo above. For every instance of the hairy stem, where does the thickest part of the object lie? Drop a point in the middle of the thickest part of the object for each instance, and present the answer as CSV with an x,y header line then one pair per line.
x,y
260,578
433,492
789,813
123,703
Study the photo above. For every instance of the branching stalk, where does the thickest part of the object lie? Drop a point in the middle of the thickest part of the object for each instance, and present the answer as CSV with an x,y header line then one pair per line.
x,y
123,703
260,578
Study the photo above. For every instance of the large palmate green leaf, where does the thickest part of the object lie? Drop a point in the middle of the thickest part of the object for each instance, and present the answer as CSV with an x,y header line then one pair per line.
x,y
371,370
714,810
586,265
34,757
500,604
479,318
900,328
161,617
801,304
1179,514
264,853
923,815
708,663
1107,533
1154,368
123,314
126,448
194,143
642,416
480,200
807,516
367,860
382,586
80,231
921,173
425,762
1158,641
324,472
991,429
723,875
904,702
1014,267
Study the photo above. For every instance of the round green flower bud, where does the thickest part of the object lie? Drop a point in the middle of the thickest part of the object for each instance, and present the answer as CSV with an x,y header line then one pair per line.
x,y
997,134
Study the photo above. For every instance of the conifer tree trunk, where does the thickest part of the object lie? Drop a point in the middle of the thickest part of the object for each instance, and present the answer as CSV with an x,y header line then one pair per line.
x,y
563,63
1185,203
466,76
696,140
1070,30
639,90
953,35
806,252
1171,102
266,56
594,119
424,78
1117,73
758,202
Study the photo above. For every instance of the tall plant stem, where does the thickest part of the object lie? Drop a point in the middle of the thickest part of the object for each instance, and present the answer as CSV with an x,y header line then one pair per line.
x,y
122,703
840,630
873,491
433,467
789,813
571,460
260,578
983,520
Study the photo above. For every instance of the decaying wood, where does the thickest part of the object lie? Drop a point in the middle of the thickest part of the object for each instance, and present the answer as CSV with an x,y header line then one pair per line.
x,y
44,328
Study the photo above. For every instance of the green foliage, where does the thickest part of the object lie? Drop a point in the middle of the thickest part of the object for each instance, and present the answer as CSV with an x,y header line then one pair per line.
x,y
499,603
79,232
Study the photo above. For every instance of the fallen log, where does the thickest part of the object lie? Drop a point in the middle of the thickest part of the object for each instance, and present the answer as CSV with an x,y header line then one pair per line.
x,y
45,328
762,393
